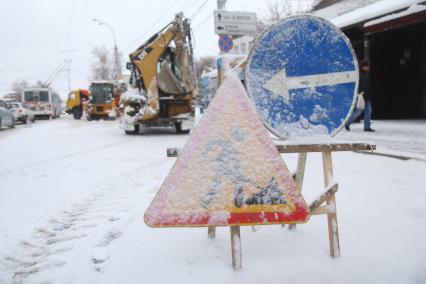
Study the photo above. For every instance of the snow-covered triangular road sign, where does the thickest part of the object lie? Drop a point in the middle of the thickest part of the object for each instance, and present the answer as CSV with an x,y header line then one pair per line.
x,y
229,172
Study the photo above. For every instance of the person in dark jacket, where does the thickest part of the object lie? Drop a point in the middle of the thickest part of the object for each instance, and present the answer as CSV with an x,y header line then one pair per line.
x,y
366,90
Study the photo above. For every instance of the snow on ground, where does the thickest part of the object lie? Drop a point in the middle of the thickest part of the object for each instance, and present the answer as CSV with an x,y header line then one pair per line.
x,y
73,194
405,139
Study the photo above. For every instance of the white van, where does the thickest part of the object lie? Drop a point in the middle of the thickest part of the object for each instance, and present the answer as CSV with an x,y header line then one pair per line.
x,y
44,102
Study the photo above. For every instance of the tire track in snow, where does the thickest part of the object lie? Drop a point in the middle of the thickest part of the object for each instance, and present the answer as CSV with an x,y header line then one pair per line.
x,y
96,221
30,168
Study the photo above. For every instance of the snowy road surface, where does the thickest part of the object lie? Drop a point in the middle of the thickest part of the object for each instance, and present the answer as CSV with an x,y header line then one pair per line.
x,y
73,194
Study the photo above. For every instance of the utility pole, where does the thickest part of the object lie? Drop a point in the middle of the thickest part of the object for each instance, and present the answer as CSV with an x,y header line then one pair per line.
x,y
69,73
117,66
221,4
68,61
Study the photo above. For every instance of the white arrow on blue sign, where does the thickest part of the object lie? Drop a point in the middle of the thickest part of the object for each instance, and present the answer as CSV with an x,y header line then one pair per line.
x,y
302,76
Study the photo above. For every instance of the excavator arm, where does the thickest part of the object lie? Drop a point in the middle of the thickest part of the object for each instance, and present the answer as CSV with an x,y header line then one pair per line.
x,y
163,74
145,58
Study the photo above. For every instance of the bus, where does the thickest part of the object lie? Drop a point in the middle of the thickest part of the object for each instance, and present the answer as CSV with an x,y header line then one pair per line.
x,y
44,102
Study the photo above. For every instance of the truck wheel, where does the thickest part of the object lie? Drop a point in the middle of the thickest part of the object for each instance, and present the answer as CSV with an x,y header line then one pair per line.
x,y
132,132
178,126
13,123
89,117
77,112
1,127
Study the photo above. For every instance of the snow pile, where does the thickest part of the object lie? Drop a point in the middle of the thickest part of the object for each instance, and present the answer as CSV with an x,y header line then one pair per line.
x,y
133,95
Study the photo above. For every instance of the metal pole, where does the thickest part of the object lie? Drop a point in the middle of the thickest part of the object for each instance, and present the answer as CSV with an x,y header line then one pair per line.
x,y
69,73
117,67
221,4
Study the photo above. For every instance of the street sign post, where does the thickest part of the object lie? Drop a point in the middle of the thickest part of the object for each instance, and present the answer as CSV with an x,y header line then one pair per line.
x,y
234,23
302,76
229,172
225,43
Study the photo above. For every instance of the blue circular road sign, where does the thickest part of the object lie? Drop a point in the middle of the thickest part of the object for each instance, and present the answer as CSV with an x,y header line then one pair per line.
x,y
302,76
225,43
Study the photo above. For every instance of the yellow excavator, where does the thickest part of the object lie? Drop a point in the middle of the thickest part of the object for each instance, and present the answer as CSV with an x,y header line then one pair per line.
x,y
162,74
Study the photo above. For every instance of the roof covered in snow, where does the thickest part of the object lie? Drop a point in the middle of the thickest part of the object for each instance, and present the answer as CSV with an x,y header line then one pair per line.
x,y
411,10
340,8
373,11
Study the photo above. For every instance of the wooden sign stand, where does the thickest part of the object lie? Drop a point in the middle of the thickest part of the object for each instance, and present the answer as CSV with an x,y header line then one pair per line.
x,y
316,207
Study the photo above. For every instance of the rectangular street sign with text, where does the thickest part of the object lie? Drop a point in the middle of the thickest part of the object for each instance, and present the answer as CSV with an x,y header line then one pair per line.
x,y
234,23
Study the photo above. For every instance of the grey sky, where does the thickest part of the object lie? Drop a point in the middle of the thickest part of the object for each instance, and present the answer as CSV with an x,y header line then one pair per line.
x,y
37,33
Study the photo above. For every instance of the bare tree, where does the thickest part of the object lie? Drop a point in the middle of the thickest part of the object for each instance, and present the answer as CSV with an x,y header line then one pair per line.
x,y
278,9
101,68
19,85
39,84
204,64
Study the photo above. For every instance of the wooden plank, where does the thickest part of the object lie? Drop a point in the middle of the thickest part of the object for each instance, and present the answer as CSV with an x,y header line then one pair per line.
x,y
306,148
211,233
333,231
323,197
300,174
236,247
331,147
322,210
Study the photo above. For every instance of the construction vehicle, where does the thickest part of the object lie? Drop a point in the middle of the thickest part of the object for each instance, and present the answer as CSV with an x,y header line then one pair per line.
x,y
162,74
103,99
77,102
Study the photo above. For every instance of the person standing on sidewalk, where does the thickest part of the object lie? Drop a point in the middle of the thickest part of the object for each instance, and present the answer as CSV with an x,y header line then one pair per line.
x,y
365,88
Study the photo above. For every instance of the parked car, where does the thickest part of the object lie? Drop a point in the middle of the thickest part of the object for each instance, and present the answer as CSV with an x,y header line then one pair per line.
x,y
21,112
6,116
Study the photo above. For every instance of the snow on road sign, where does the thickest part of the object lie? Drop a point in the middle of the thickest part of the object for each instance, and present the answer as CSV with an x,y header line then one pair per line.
x,y
225,43
302,75
229,172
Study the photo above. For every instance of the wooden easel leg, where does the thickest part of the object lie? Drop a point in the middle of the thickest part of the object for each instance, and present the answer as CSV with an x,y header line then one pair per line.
x,y
211,232
300,174
236,247
333,231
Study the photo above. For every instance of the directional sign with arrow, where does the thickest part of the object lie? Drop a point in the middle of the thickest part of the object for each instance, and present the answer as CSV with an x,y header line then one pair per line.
x,y
302,75
234,23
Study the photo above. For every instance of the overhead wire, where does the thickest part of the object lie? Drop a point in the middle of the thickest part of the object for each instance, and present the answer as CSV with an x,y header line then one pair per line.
x,y
147,30
203,21
70,24
83,19
195,14
55,73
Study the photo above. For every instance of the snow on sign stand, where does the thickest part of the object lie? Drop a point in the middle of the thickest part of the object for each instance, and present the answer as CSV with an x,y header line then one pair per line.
x,y
302,75
229,172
